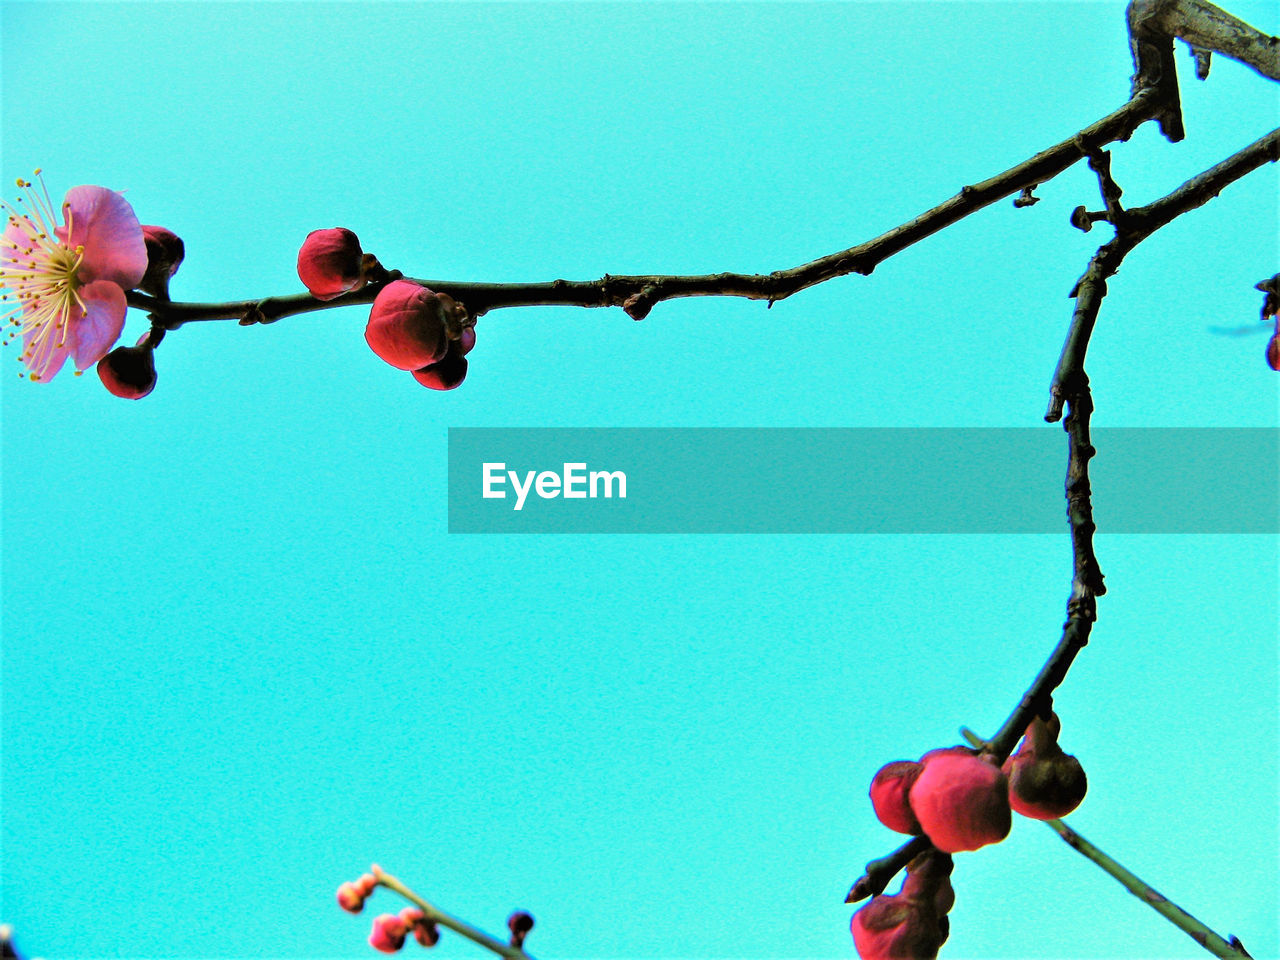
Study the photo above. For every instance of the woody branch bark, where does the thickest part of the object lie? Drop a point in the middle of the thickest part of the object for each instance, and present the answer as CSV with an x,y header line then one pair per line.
x,y
638,294
1070,388
1208,28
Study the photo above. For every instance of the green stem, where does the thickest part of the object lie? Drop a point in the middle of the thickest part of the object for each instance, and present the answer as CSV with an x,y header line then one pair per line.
x,y
1184,921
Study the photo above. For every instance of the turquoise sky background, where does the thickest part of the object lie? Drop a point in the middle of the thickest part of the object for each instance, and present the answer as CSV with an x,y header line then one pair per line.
x,y
243,658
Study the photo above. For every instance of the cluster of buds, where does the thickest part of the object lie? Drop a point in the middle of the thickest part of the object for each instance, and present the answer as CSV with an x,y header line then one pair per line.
x,y
955,796
410,327
130,372
390,929
962,799
353,894
912,923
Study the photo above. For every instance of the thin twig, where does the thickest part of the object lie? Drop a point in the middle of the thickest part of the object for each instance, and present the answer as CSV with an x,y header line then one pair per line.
x,y
637,294
879,872
1184,921
1138,887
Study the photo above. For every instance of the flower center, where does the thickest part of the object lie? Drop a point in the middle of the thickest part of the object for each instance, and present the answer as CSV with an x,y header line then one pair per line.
x,y
38,274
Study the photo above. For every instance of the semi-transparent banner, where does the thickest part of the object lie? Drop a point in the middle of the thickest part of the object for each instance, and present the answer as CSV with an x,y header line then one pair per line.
x,y
784,480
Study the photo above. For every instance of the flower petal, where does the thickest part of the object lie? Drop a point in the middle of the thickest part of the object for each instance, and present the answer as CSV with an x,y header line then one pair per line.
x,y
45,348
18,232
100,327
104,223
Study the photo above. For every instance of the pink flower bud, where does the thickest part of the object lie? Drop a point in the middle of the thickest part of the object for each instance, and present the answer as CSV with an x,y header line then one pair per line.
x,y
129,372
889,790
426,933
367,883
447,373
1273,352
1044,782
910,924
330,263
407,326
929,877
388,933
164,254
350,897
961,801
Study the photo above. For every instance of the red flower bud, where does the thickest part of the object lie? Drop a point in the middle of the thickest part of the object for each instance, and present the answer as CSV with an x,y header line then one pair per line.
x,y
388,933
910,924
520,922
1044,782
889,790
426,933
129,372
1273,352
407,326
447,373
961,801
350,897
330,263
366,884
164,254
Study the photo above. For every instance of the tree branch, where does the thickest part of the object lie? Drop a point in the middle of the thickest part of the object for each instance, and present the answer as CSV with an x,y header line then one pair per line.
x,y
879,872
638,294
1209,28
1070,388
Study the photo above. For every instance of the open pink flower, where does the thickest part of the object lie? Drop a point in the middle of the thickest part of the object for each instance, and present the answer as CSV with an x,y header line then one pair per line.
x,y
65,284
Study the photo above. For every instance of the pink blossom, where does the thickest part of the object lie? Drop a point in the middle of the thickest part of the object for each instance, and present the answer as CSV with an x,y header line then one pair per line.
x,y
65,285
